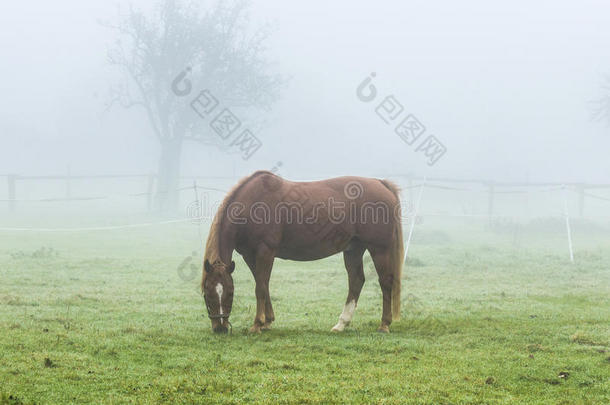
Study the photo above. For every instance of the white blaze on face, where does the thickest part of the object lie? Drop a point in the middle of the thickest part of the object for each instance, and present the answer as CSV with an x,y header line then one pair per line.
x,y
219,292
346,316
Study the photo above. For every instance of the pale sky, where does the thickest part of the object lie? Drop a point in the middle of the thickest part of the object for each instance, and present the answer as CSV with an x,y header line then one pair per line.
x,y
506,87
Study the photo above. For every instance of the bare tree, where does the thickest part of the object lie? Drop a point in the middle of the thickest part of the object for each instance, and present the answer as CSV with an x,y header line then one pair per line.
x,y
221,53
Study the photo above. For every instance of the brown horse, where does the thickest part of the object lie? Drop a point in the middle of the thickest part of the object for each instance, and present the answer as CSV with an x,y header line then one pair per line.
x,y
265,216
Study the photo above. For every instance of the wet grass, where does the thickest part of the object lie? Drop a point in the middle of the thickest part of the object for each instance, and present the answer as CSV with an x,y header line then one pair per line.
x,y
109,318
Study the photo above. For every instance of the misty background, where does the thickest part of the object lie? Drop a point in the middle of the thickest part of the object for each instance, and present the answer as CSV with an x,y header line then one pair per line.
x,y
507,89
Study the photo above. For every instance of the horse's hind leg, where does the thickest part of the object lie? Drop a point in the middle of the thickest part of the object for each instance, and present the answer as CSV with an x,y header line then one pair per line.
x,y
381,259
355,277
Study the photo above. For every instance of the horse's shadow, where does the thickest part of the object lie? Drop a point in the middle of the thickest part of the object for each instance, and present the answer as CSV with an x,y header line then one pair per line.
x,y
428,327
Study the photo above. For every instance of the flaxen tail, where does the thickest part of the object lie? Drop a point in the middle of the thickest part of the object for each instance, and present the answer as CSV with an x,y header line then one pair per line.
x,y
397,251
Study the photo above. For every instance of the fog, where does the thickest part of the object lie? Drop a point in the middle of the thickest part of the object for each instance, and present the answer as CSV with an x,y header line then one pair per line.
x,y
506,88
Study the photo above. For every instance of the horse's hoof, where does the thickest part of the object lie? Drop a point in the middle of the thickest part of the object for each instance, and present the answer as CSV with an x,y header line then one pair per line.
x,y
266,327
337,328
255,329
384,329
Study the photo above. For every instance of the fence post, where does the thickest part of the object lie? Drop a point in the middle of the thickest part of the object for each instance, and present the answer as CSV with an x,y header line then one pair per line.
x,y
415,212
566,214
149,191
410,185
11,178
490,201
580,189
68,185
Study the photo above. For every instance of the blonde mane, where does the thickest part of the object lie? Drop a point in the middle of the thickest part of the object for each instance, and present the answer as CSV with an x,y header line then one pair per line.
x,y
212,246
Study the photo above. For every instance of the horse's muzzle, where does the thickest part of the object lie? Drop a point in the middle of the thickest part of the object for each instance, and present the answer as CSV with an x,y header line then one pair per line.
x,y
220,323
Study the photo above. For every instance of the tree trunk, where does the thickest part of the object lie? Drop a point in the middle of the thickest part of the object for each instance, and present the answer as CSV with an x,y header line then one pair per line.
x,y
168,196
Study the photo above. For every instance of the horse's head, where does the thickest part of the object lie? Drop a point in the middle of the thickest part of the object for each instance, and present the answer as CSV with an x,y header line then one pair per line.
x,y
218,293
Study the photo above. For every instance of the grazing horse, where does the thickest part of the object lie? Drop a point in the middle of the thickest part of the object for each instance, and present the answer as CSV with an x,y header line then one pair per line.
x,y
265,216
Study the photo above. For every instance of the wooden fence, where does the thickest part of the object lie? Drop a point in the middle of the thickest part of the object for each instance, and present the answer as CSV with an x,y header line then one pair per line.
x,y
492,188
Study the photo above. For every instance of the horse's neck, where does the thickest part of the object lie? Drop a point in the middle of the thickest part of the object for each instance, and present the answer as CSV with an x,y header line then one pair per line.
x,y
226,241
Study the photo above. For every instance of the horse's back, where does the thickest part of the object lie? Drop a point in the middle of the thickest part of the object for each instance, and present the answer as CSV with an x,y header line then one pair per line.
x,y
316,219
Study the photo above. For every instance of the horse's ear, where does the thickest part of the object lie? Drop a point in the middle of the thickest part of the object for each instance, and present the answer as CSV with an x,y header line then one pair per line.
x,y
207,266
231,267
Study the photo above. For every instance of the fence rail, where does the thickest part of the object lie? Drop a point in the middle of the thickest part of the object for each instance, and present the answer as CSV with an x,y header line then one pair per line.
x,y
411,184
491,187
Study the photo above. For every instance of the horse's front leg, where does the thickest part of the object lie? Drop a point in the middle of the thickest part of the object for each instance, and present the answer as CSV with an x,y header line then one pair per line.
x,y
259,318
261,267
269,315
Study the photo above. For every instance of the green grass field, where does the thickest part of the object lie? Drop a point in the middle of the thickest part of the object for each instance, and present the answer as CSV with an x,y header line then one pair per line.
x,y
107,317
